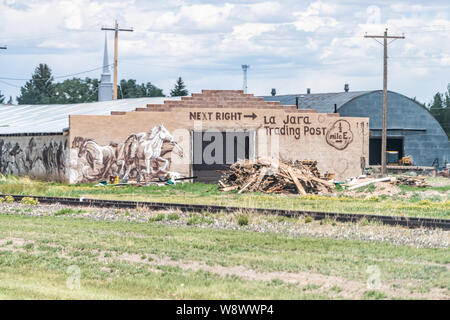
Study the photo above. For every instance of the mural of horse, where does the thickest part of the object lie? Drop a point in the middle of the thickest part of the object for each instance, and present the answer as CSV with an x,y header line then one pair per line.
x,y
98,157
141,154
150,149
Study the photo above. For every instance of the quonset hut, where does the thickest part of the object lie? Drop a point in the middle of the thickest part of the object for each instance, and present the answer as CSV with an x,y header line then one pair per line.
x,y
150,138
411,129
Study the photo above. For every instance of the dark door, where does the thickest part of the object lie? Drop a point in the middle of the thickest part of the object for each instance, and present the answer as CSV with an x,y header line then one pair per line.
x,y
215,151
392,144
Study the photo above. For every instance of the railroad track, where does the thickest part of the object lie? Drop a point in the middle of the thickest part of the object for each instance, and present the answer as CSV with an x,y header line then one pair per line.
x,y
409,222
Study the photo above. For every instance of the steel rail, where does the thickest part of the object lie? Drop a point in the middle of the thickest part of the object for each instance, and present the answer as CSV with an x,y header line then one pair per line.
x,y
409,222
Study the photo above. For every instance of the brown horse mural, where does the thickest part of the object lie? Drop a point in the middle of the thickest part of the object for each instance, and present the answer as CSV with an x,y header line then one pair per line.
x,y
141,156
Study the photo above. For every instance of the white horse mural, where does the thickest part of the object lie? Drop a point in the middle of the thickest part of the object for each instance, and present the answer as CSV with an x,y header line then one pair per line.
x,y
140,155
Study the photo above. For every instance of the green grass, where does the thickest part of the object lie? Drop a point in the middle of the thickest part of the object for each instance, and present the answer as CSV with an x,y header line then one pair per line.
x,y
52,244
198,193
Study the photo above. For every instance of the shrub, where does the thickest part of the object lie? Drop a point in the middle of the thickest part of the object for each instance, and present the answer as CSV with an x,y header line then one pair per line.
x,y
197,219
159,217
2,199
30,201
64,211
173,216
242,220
9,199
308,219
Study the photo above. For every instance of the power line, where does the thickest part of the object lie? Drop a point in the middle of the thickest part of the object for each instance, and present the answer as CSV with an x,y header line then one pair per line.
x,y
56,77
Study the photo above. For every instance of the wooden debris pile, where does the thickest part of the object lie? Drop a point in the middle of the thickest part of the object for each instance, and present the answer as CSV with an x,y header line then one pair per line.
x,y
268,176
411,181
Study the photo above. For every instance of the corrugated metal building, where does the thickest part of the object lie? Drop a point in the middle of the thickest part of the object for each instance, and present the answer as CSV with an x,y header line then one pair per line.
x,y
412,130
34,138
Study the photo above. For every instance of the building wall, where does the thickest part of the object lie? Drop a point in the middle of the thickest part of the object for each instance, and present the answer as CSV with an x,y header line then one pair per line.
x,y
424,138
39,156
103,146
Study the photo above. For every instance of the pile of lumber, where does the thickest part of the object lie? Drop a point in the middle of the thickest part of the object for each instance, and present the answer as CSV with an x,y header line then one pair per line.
x,y
269,176
411,181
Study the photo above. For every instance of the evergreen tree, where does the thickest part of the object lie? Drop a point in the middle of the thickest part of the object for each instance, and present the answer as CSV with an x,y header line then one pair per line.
x,y
10,101
2,97
447,97
437,102
179,89
40,89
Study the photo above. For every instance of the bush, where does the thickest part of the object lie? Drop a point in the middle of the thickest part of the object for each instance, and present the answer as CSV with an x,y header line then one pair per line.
x,y
30,201
198,219
2,199
242,220
64,211
9,199
173,216
159,217
308,219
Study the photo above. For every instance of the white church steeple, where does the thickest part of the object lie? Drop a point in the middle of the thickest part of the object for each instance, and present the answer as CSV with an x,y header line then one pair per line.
x,y
105,88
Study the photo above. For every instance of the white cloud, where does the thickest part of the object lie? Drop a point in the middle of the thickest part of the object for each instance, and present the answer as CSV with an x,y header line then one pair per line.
x,y
289,42
316,16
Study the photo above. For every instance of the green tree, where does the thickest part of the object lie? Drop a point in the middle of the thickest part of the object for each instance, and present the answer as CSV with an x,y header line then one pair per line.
x,y
10,101
2,97
447,97
437,102
179,89
40,89
130,89
76,91
440,109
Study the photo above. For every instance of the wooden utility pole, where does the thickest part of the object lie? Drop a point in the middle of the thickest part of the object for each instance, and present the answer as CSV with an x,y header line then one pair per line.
x,y
116,46
385,100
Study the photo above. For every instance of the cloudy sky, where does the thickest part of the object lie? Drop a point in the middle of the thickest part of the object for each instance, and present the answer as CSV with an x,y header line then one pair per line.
x,y
290,45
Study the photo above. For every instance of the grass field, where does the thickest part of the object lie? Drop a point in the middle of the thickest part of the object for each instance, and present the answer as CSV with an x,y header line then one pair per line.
x,y
433,201
43,258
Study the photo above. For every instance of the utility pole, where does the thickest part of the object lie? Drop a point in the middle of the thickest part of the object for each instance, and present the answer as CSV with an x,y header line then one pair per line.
x,y
116,44
384,130
244,85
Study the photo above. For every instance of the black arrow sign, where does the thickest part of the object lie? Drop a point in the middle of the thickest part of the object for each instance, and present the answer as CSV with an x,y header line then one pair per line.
x,y
253,116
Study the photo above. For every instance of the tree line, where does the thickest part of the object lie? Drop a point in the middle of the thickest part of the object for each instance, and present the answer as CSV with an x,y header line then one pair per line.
x,y
440,109
42,89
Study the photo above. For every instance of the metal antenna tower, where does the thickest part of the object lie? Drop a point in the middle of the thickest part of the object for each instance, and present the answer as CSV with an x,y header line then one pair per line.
x,y
245,67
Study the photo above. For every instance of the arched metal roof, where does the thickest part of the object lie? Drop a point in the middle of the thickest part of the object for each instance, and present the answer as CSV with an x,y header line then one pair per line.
x,y
322,102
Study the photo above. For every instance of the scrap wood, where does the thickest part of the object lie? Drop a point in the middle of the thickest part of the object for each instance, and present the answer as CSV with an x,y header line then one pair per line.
x,y
411,181
297,183
274,176
366,183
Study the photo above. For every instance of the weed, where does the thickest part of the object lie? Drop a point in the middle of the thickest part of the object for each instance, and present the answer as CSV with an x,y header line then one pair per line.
x,y
198,219
28,246
30,201
67,211
173,216
336,289
308,219
242,220
374,295
159,217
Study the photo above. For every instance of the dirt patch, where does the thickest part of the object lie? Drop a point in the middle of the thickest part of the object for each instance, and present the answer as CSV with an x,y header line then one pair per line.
x,y
351,289
381,189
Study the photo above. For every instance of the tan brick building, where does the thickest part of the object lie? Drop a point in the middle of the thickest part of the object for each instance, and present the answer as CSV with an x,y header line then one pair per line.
x,y
199,134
